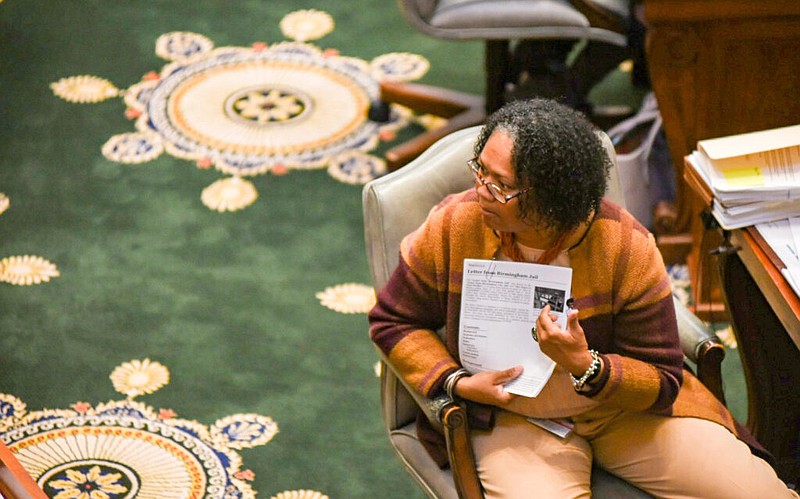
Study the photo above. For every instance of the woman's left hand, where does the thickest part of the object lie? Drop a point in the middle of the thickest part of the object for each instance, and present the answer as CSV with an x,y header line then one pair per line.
x,y
568,348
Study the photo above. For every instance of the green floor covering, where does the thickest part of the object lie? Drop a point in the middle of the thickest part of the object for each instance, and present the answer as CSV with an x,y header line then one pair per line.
x,y
225,301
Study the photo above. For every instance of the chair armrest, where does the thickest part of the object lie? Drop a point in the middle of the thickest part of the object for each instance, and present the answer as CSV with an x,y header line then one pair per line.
x,y
702,346
400,401
453,417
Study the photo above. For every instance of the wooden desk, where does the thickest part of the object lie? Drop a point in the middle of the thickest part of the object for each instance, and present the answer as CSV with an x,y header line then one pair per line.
x,y
765,314
762,266
719,67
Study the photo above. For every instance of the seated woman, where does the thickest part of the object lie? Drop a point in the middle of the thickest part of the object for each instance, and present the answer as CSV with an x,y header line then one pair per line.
x,y
540,174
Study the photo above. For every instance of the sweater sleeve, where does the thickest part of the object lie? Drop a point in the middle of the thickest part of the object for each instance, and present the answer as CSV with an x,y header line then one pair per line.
x,y
411,308
644,368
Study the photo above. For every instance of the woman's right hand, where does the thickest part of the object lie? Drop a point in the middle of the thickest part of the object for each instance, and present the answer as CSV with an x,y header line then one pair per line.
x,y
487,387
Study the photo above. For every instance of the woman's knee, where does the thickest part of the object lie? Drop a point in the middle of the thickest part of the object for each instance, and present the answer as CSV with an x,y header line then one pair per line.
x,y
518,459
685,457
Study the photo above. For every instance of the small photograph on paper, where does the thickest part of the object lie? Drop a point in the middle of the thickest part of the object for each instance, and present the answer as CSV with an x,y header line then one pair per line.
x,y
556,298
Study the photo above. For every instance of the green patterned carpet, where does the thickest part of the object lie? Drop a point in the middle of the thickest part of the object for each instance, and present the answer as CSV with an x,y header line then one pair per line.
x,y
182,272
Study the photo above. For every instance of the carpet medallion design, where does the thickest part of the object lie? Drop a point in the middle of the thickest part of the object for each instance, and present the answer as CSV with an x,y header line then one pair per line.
x,y
251,110
4,203
349,298
24,270
126,449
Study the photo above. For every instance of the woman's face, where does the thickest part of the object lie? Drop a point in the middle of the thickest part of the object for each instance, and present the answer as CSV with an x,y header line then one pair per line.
x,y
496,161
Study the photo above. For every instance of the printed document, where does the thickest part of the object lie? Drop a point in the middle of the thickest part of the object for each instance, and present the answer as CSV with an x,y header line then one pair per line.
x,y
765,161
500,302
778,169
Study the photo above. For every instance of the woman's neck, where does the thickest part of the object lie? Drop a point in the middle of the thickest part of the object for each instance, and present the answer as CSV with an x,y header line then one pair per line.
x,y
539,240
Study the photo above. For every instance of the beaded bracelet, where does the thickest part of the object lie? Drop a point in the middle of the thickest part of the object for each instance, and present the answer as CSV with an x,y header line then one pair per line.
x,y
578,383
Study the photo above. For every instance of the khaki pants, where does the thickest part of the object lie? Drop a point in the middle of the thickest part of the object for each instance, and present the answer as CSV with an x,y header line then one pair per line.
x,y
667,457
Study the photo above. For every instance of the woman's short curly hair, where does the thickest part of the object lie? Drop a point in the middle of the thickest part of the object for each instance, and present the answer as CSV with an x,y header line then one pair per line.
x,y
557,156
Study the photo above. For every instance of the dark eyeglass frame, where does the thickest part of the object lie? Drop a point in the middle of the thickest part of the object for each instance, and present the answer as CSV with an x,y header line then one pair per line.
x,y
495,190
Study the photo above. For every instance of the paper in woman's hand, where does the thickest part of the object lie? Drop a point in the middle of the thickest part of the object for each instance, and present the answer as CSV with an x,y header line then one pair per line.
x,y
500,302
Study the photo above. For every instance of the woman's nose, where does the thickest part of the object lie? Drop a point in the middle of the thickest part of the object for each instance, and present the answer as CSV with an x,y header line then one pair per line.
x,y
484,193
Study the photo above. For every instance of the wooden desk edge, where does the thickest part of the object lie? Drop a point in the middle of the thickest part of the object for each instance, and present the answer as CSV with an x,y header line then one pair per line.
x,y
777,291
16,482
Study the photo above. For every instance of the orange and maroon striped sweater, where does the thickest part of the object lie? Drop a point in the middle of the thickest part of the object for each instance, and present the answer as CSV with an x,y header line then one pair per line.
x,y
620,287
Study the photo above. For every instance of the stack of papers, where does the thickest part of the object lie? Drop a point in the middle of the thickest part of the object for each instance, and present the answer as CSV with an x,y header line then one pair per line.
x,y
783,236
748,178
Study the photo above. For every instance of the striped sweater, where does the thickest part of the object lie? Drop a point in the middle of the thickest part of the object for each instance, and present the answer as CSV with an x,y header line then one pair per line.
x,y
619,284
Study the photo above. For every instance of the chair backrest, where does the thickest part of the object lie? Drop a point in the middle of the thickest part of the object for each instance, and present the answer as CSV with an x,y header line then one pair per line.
x,y
510,20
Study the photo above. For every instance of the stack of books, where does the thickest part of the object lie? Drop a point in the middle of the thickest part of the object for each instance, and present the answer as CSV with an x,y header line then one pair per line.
x,y
749,178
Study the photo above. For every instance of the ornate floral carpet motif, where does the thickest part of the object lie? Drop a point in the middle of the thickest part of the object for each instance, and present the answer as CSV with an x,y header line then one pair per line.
x,y
348,298
24,270
251,110
125,448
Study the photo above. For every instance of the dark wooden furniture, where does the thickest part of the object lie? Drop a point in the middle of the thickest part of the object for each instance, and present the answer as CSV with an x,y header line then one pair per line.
x,y
765,314
462,110
531,37
718,67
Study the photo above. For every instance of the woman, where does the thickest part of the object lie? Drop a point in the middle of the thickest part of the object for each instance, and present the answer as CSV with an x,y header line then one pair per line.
x,y
540,175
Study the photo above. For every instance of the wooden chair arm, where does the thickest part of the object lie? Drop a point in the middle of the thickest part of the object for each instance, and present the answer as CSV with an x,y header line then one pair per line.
x,y
453,417
462,110
709,366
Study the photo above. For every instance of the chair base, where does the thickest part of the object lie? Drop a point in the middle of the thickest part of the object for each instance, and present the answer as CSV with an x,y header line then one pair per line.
x,y
462,110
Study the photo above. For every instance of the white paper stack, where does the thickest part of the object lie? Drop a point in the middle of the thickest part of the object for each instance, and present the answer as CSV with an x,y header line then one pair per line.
x,y
783,236
750,178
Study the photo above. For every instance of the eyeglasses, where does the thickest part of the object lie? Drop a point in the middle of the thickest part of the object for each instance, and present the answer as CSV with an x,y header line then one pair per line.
x,y
495,190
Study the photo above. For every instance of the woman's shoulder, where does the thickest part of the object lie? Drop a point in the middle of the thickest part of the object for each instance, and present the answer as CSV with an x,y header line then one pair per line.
x,y
616,221
617,236
460,208
467,199
621,255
